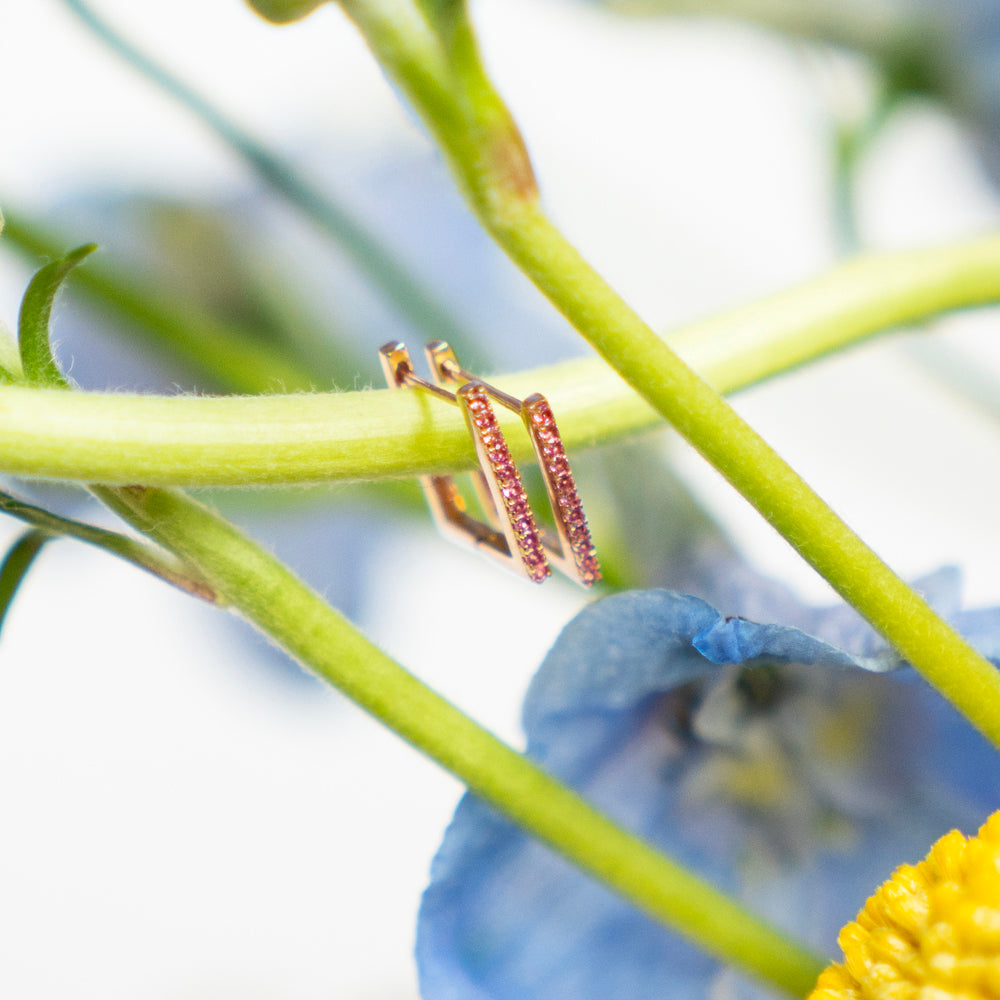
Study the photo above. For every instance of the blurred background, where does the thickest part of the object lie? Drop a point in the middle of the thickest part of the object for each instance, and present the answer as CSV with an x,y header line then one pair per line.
x,y
183,813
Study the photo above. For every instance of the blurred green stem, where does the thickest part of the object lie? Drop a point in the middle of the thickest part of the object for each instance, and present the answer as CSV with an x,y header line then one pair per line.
x,y
316,437
292,615
17,564
414,300
233,359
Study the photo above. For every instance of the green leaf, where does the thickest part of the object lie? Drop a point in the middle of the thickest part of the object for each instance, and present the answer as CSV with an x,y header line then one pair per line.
x,y
40,369
16,564
284,11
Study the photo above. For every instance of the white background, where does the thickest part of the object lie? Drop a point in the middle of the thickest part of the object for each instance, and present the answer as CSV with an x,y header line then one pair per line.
x,y
172,826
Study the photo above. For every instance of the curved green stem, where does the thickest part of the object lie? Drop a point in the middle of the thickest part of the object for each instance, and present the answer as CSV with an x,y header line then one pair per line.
x,y
379,264
190,440
279,604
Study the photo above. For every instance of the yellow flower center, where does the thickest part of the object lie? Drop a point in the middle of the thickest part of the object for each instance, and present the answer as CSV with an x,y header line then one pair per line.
x,y
932,932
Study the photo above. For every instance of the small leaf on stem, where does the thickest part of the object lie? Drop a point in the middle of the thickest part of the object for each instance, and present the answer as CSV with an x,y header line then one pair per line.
x,y
16,564
40,369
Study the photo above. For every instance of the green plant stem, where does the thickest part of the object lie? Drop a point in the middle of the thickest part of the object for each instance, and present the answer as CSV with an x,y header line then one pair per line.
x,y
893,608
161,564
487,154
282,607
38,366
381,266
190,440
16,565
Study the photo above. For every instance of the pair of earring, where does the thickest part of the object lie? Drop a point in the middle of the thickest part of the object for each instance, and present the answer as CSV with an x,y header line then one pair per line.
x,y
510,532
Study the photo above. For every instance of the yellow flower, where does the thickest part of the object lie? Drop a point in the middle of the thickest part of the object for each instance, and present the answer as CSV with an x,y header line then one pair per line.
x,y
932,932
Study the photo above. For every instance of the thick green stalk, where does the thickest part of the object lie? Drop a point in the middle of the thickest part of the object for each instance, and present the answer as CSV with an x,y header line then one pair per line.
x,y
646,362
486,154
194,440
279,604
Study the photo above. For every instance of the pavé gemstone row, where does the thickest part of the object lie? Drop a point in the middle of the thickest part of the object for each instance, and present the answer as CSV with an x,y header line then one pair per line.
x,y
508,480
522,542
568,507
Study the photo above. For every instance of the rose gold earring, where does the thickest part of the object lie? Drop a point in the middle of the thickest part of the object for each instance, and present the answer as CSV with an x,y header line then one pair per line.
x,y
511,533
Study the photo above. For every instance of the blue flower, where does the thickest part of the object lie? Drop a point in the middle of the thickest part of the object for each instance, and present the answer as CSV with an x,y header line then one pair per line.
x,y
791,764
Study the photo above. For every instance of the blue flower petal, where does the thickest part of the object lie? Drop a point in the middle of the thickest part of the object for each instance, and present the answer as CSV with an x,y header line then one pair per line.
x,y
790,778
609,657
736,640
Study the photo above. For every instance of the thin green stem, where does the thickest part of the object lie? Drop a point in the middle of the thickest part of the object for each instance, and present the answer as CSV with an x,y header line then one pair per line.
x,y
379,264
189,440
282,607
852,140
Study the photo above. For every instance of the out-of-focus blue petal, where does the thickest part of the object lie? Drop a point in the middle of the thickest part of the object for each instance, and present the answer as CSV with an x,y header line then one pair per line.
x,y
966,67
609,657
737,640
779,760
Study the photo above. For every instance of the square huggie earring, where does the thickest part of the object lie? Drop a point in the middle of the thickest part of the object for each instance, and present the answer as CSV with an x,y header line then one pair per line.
x,y
512,534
